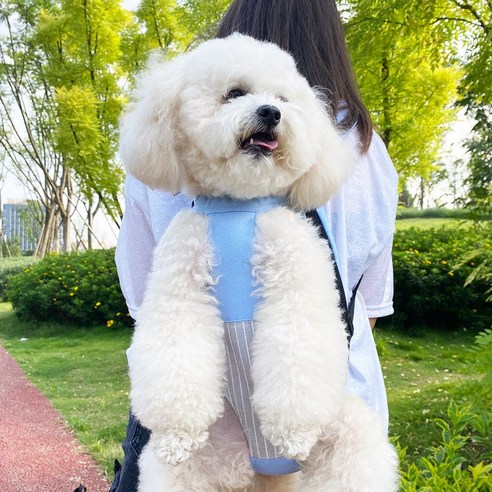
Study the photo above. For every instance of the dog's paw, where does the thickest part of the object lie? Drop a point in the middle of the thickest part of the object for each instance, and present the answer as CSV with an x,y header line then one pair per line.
x,y
177,446
293,442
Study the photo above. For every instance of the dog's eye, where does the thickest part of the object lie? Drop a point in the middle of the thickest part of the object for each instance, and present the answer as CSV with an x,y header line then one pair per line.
x,y
234,93
283,99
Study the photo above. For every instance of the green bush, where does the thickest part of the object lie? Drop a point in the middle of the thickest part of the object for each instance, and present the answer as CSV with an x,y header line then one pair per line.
x,y
440,213
10,267
77,288
454,464
482,362
432,213
430,278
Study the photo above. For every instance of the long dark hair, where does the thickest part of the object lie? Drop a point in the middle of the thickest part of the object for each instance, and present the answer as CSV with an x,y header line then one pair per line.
x,y
311,30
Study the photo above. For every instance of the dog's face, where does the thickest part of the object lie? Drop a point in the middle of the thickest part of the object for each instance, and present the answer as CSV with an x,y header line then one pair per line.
x,y
235,118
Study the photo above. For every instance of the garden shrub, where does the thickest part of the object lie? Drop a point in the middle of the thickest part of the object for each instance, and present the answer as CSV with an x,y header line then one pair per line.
x,y
430,277
77,288
434,213
10,267
482,359
454,464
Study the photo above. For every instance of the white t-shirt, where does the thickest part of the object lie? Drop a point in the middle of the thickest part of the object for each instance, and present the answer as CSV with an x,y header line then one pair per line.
x,y
361,219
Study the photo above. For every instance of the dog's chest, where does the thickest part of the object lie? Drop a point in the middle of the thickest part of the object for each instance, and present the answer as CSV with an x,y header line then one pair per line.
x,y
231,230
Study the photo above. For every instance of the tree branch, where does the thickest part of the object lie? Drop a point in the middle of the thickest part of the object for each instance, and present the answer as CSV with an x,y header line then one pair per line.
x,y
464,5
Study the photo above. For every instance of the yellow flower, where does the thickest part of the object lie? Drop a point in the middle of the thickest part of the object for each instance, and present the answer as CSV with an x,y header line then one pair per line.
x,y
110,323
97,304
72,294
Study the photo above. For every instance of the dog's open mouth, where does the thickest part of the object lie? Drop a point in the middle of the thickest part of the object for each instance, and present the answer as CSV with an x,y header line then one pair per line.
x,y
260,142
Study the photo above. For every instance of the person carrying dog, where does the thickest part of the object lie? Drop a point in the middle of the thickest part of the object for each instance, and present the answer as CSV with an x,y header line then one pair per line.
x,y
359,220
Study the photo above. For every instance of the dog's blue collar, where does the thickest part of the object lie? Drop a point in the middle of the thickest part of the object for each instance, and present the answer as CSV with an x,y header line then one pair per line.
x,y
210,205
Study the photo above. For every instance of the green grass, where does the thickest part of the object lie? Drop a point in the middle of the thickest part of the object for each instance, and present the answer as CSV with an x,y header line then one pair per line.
x,y
428,223
422,374
84,374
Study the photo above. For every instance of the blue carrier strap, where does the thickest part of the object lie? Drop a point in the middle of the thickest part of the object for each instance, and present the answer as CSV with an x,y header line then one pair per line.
x,y
347,308
274,466
232,225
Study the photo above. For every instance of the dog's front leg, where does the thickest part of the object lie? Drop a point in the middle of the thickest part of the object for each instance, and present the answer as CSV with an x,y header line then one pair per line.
x,y
299,350
177,354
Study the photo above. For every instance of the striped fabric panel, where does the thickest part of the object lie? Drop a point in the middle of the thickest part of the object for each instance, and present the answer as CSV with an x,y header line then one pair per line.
x,y
238,338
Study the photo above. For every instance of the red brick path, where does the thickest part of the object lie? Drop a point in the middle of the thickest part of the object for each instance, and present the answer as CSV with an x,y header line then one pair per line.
x,y
37,450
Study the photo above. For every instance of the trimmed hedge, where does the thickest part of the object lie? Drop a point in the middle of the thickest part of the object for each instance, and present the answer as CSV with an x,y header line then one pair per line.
x,y
83,288
10,267
77,288
434,213
430,276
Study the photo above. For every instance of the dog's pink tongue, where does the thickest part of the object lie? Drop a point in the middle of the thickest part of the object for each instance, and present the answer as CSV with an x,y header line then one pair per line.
x,y
261,142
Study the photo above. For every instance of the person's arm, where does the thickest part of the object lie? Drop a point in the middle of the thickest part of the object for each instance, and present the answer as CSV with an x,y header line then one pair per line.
x,y
147,215
377,286
134,253
380,198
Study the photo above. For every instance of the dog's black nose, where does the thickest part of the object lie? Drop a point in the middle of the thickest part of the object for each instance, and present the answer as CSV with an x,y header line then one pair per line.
x,y
270,115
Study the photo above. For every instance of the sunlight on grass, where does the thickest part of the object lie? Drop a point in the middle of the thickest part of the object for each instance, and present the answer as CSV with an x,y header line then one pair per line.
x,y
421,373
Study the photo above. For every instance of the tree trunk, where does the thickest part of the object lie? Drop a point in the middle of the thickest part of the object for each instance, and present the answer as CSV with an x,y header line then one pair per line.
x,y
90,231
47,233
385,74
67,215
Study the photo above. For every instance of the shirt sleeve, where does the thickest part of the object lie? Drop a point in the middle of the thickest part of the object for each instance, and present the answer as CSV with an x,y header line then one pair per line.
x,y
362,219
147,215
376,285
134,253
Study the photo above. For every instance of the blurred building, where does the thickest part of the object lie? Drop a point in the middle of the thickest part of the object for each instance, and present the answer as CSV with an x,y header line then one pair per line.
x,y
19,226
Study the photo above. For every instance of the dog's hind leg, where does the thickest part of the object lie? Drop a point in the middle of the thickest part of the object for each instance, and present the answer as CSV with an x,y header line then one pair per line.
x,y
223,464
280,483
353,455
155,476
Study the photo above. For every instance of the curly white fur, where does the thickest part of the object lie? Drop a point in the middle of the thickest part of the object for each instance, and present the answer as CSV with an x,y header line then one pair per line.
x,y
183,132
300,354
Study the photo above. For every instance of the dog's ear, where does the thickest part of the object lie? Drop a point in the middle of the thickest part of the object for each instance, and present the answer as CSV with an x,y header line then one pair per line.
x,y
149,126
332,161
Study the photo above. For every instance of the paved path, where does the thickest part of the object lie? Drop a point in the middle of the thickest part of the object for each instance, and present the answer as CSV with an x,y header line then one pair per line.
x,y
37,450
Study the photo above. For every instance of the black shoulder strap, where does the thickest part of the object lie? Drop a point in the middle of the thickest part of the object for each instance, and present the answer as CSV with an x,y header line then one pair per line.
x,y
347,308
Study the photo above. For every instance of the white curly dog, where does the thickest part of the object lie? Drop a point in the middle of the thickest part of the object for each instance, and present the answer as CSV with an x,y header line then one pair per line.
x,y
239,359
